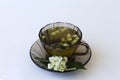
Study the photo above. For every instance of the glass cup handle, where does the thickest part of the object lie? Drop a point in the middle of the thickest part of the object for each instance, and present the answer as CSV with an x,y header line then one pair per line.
x,y
87,49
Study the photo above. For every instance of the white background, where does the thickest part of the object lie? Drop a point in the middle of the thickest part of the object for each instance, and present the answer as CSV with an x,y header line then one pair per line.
x,y
21,20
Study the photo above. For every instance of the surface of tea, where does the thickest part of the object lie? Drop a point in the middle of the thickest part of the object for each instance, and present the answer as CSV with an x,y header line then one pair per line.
x,y
60,36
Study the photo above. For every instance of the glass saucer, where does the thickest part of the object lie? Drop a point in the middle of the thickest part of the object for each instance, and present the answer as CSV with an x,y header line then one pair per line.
x,y
37,50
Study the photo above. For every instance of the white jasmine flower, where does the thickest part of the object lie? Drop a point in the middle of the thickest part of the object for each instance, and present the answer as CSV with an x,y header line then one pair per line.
x,y
57,63
53,59
50,66
66,59
62,30
68,35
75,35
53,33
57,31
65,44
65,28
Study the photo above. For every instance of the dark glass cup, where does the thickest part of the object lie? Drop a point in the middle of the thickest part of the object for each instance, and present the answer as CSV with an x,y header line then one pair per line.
x,y
68,50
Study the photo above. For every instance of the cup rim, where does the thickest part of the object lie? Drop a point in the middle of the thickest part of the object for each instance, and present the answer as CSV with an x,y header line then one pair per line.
x,y
80,37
